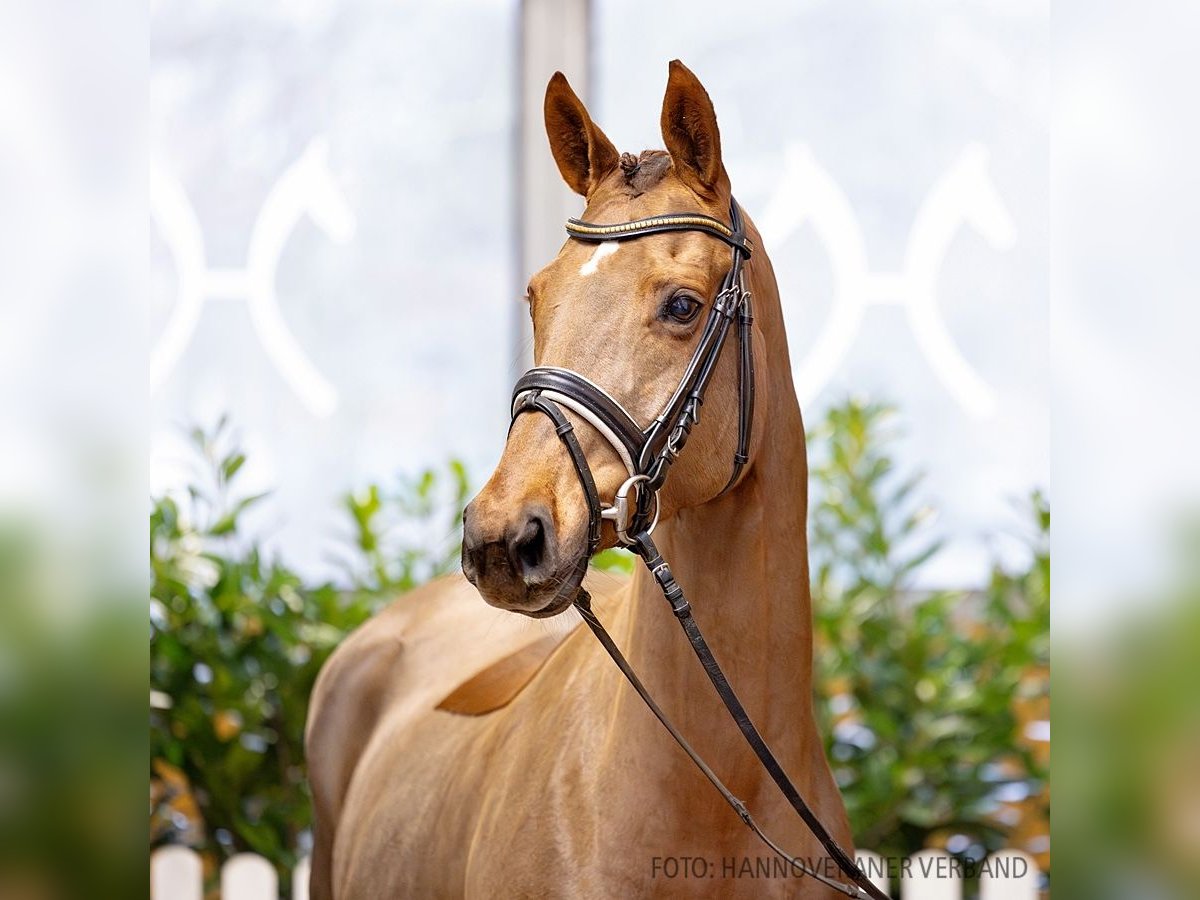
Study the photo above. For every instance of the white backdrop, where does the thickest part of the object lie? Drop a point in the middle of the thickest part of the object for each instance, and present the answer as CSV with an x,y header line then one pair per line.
x,y
896,158
333,238
357,154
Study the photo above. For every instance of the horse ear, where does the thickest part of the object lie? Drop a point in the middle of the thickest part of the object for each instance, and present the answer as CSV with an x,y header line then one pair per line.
x,y
582,151
689,129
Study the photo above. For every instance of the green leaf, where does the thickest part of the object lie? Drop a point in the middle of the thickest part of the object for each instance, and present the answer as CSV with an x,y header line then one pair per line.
x,y
231,464
228,523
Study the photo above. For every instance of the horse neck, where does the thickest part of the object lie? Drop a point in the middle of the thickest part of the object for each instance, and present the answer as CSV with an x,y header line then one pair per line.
x,y
742,561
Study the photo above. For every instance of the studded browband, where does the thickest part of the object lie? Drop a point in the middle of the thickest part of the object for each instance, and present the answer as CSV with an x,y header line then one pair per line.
x,y
590,231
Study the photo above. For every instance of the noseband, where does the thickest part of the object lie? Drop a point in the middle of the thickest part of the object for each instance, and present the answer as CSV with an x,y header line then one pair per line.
x,y
647,454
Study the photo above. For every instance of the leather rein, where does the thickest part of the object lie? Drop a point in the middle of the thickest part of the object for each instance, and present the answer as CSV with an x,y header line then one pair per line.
x,y
647,454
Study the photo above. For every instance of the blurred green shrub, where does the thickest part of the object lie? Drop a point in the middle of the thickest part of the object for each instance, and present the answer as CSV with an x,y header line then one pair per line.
x,y
408,534
237,639
1131,730
923,696
72,695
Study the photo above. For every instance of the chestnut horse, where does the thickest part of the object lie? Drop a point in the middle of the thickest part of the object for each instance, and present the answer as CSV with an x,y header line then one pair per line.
x,y
454,751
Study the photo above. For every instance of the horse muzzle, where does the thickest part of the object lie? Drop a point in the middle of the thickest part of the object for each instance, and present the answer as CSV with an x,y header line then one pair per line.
x,y
519,562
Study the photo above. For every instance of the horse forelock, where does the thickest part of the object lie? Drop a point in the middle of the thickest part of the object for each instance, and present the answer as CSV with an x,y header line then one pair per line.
x,y
641,172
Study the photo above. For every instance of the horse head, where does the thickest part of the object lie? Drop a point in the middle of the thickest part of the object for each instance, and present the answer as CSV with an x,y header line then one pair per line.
x,y
627,316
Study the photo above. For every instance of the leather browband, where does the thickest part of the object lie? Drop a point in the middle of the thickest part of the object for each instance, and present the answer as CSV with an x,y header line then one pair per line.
x,y
592,231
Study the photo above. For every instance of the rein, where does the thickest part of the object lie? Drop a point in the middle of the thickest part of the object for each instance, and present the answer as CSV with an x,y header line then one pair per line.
x,y
647,455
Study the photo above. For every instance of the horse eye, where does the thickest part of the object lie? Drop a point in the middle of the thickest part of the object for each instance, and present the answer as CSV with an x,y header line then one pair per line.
x,y
682,308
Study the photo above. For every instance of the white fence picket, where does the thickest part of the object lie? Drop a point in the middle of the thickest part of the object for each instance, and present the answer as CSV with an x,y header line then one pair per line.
x,y
300,879
176,873
247,876
1009,875
931,876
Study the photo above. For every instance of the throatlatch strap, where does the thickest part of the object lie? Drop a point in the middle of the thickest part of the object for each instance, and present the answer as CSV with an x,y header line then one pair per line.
x,y
745,391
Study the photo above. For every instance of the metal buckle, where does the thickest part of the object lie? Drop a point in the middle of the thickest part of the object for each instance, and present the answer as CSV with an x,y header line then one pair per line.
x,y
688,419
621,513
730,300
675,441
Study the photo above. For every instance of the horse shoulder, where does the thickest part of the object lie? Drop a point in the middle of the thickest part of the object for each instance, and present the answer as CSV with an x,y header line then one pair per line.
x,y
370,673
347,701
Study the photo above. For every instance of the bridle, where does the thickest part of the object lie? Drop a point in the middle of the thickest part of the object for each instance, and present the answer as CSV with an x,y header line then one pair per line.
x,y
647,454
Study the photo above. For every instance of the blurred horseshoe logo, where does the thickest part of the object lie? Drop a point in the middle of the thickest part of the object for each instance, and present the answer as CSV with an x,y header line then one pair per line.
x,y
964,195
305,187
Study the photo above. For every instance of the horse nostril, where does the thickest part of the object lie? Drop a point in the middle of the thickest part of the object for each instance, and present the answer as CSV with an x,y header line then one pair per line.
x,y
528,550
475,546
